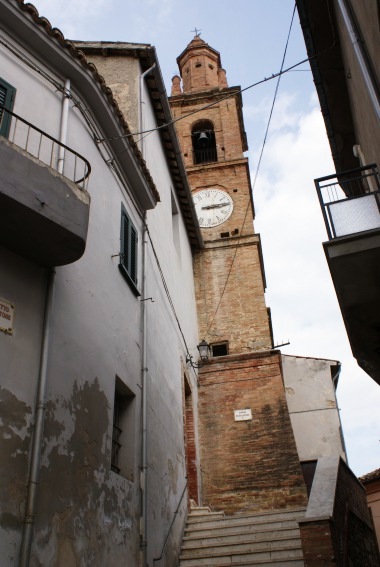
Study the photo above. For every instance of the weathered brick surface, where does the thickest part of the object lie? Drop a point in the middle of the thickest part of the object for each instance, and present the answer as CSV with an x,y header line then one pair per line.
x,y
242,317
247,465
225,117
200,66
190,448
317,544
347,538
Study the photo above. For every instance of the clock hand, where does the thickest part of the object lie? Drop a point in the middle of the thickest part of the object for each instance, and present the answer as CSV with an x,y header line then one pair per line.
x,y
217,206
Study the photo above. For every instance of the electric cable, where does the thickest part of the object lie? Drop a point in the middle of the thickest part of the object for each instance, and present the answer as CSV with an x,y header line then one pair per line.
x,y
279,75
207,106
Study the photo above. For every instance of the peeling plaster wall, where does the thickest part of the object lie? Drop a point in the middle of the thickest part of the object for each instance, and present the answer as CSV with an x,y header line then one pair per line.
x,y
312,404
23,284
86,514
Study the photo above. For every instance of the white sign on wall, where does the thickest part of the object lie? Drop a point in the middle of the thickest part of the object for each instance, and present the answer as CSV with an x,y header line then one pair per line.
x,y
243,414
7,311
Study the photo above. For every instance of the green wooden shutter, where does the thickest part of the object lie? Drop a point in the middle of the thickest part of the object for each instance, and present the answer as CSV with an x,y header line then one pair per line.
x,y
128,248
7,95
133,254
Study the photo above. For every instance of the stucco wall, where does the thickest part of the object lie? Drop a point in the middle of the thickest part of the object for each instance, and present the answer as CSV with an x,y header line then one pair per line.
x,y
365,120
312,405
87,514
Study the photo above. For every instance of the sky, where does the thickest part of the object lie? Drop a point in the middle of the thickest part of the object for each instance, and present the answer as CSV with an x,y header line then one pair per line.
x,y
251,36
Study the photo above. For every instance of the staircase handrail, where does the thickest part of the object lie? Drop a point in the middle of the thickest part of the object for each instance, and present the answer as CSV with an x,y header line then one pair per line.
x,y
171,525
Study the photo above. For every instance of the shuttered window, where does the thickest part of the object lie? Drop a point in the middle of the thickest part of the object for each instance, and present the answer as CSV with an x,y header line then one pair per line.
x,y
7,95
128,250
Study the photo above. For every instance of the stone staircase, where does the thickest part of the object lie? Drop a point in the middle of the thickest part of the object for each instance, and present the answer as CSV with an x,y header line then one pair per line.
x,y
269,539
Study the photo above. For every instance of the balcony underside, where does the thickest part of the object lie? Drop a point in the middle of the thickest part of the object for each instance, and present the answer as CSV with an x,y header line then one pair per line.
x,y
354,264
44,216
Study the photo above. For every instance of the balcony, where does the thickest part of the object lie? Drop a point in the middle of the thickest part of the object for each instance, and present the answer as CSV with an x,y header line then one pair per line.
x,y
43,199
350,204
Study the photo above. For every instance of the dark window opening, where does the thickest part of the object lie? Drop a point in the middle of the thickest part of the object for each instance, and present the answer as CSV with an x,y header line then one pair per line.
x,y
220,349
308,471
204,143
128,250
116,432
7,95
123,431
198,65
224,234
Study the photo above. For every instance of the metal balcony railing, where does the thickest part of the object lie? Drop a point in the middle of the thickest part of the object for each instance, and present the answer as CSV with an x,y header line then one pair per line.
x,y
350,201
208,155
47,149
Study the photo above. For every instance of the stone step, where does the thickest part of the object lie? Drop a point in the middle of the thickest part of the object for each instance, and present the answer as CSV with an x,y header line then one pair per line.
x,y
245,546
272,557
290,562
211,520
200,510
232,526
234,535
279,513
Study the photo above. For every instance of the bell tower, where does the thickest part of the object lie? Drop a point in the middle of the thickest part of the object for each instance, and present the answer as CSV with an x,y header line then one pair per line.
x,y
247,452
229,273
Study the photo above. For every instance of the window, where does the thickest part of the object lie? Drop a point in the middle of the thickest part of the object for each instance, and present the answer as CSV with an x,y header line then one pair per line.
x,y
220,349
204,144
7,95
123,431
128,250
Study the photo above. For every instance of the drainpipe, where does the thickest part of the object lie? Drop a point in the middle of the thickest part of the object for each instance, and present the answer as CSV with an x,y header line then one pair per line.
x,y
141,104
31,500
64,122
144,369
34,473
144,403
361,55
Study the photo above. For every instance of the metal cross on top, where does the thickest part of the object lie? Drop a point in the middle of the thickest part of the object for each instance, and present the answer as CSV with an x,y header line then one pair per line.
x,y
197,32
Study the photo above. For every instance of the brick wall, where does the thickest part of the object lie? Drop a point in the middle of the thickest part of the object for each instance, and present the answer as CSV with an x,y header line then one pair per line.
x,y
239,316
225,117
345,536
190,446
317,544
247,465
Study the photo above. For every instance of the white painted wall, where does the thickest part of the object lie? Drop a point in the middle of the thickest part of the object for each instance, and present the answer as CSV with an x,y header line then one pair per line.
x,y
85,512
312,404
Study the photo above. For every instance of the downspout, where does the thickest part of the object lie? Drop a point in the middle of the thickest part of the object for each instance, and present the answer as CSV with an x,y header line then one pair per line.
x,y
144,369
361,55
64,122
144,401
34,473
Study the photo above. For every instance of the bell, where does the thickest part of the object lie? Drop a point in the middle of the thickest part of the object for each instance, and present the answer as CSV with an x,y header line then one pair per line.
x,y
203,141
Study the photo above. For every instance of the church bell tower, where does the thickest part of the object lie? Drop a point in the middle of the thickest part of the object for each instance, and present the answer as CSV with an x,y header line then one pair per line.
x,y
229,273
246,443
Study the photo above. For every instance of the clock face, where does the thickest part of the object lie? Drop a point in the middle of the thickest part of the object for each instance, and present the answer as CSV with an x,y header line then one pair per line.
x,y
213,207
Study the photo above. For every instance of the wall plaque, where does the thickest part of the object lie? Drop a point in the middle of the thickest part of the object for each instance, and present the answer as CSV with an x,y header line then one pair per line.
x,y
7,311
243,414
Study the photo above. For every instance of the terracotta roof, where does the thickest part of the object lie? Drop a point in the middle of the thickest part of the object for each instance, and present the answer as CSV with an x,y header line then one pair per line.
x,y
80,56
374,475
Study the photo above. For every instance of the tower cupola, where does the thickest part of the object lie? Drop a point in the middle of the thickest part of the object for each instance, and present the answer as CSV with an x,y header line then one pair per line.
x,y
200,67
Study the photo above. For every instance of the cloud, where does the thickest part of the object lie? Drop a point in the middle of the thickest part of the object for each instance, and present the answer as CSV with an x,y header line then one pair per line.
x,y
89,19
72,17
300,292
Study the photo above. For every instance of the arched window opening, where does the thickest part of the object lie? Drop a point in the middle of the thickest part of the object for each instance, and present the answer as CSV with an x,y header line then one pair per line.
x,y
204,144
